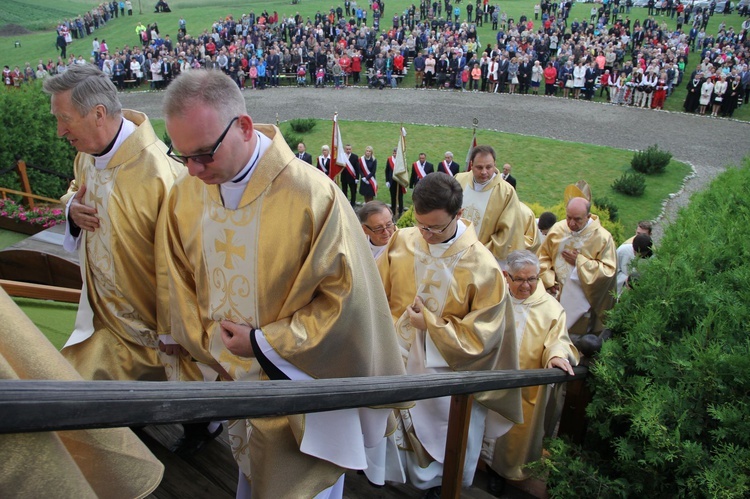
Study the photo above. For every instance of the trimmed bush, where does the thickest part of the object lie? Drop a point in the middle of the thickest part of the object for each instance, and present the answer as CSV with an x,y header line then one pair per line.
x,y
292,140
631,184
652,160
610,206
302,125
29,132
670,413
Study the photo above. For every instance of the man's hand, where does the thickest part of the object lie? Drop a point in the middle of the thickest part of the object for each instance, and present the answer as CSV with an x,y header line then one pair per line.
x,y
82,215
172,349
570,256
561,363
416,316
236,338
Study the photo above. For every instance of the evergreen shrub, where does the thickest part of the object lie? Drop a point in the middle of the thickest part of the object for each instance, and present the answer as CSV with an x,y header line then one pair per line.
x,y
670,413
652,160
29,132
610,206
292,140
630,184
302,125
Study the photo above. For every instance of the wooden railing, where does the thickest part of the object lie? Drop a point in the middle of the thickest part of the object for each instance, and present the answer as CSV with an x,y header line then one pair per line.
x,y
27,404
27,195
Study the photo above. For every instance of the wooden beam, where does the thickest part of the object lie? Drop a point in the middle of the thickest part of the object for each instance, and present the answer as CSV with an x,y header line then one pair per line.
x,y
25,185
5,191
27,404
455,446
40,291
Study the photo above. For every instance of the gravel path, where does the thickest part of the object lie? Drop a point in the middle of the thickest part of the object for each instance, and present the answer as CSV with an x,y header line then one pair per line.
x,y
710,145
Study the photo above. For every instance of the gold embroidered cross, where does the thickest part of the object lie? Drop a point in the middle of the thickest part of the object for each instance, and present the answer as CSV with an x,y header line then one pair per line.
x,y
428,282
229,249
95,197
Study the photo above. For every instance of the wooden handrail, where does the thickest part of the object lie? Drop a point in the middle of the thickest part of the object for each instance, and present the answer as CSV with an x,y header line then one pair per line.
x,y
5,191
27,404
40,291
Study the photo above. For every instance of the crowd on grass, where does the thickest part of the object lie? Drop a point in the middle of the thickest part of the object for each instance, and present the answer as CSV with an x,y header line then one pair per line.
x,y
635,62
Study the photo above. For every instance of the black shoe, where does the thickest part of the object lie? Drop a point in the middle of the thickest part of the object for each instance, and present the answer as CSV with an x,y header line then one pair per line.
x,y
495,483
433,493
194,438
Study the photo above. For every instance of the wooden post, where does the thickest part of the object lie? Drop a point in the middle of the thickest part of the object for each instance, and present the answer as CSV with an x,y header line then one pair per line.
x,y
25,185
455,446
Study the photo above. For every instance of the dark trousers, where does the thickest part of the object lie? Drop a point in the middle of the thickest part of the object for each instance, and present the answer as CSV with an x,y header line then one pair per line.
x,y
348,184
396,192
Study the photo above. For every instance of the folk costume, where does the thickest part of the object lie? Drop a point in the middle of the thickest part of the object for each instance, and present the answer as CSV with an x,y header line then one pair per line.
x,y
115,336
230,257
469,328
494,211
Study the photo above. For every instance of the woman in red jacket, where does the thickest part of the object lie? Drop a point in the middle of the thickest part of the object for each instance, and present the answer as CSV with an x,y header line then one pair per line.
x,y
550,76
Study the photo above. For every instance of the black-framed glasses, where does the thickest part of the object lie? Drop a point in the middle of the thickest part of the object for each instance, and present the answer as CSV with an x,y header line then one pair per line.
x,y
530,281
204,158
380,230
433,230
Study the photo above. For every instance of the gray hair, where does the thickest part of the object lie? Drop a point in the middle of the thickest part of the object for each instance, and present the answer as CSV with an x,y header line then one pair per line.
x,y
208,87
519,259
90,88
448,153
372,208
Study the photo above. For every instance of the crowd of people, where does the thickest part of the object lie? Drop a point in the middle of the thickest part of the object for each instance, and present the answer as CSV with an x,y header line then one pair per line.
x,y
635,62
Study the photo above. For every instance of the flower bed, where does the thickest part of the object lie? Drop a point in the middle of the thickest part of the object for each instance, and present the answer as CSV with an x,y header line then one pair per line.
x,y
18,218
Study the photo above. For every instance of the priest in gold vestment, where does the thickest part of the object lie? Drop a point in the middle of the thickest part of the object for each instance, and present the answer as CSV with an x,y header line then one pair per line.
x,y
122,177
544,343
84,464
271,277
452,312
578,264
492,206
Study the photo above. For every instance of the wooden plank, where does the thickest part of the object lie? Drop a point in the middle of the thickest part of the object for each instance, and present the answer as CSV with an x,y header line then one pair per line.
x,y
7,191
455,446
89,404
40,291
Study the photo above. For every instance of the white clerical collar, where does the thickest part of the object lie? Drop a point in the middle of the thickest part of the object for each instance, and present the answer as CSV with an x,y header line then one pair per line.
x,y
231,192
126,130
376,250
480,186
440,248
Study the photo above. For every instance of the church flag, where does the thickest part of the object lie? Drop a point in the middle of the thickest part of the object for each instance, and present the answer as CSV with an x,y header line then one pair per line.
x,y
400,171
339,159
471,147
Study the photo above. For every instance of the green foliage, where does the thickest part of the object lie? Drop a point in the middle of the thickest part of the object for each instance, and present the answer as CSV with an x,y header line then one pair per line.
x,y
670,413
630,184
652,160
292,139
407,219
610,206
29,132
303,125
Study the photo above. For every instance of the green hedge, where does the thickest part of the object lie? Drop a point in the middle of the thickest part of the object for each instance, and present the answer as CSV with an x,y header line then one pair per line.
x,y
29,132
670,414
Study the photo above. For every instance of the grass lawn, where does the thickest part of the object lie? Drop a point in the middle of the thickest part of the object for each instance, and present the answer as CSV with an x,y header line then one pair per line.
x,y
540,180
9,238
199,15
55,319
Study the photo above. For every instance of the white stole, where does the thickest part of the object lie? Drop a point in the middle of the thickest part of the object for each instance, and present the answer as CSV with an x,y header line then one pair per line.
x,y
475,205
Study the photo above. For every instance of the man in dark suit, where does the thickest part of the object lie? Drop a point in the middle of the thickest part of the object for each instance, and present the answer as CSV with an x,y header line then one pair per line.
x,y
502,72
303,154
507,176
348,181
419,169
524,76
448,165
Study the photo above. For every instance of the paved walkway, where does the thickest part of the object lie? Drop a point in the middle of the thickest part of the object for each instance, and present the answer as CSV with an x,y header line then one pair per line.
x,y
710,145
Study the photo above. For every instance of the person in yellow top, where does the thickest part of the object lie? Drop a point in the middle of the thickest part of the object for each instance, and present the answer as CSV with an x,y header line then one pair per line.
x,y
544,343
452,313
491,205
578,266
271,277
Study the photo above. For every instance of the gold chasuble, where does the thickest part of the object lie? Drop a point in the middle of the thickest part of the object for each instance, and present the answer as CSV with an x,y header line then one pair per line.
x,y
292,261
498,219
530,231
591,281
120,339
540,323
469,328
84,464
